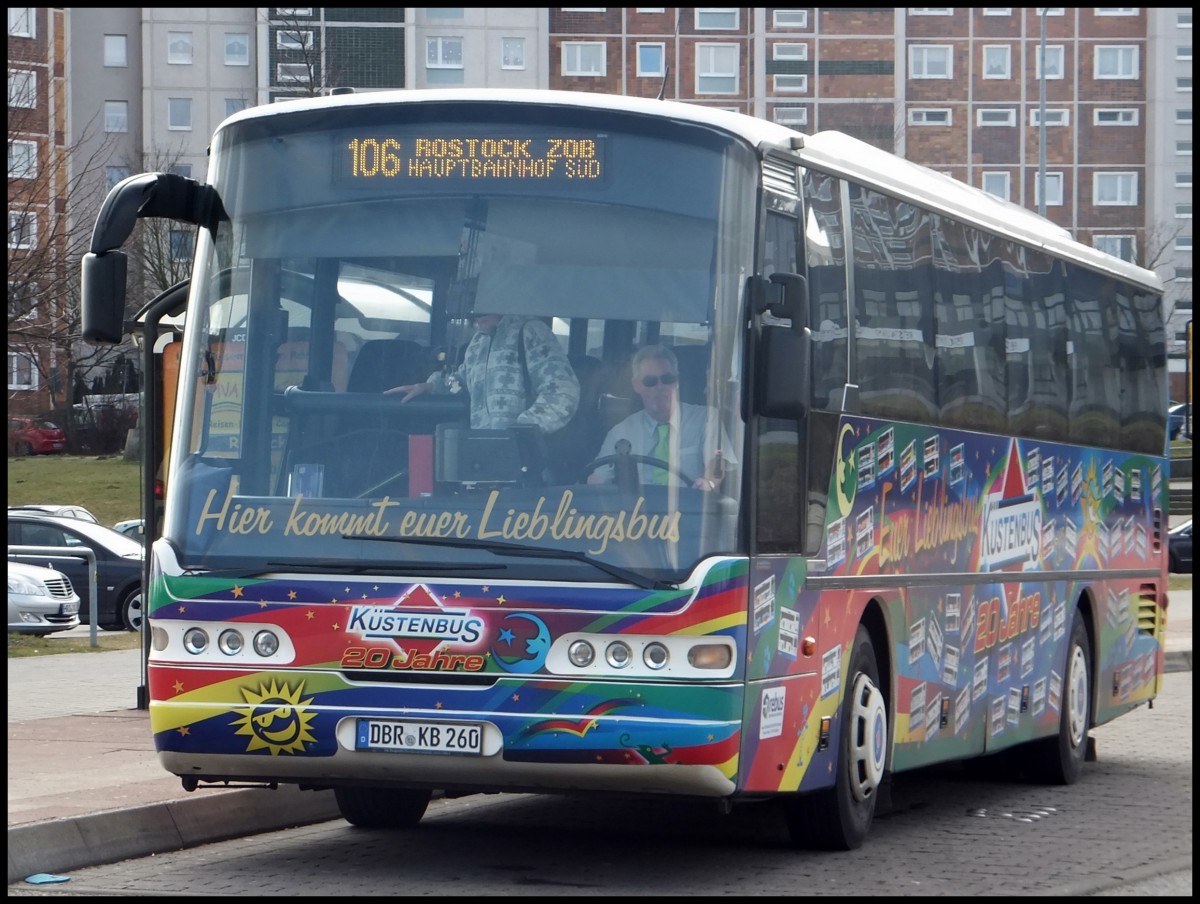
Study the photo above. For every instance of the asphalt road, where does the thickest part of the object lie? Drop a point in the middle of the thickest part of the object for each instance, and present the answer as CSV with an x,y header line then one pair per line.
x,y
1126,828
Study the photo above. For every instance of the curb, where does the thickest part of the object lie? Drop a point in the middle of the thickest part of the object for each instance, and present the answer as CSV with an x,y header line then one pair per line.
x,y
61,845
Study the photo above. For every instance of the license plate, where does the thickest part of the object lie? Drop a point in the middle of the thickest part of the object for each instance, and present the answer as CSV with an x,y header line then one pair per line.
x,y
68,608
419,737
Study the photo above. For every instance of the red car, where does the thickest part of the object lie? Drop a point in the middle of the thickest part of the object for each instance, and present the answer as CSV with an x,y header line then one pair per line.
x,y
35,436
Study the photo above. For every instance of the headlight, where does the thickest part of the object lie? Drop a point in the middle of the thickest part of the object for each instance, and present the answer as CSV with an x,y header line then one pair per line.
x,y
266,643
24,586
195,641
656,656
581,653
618,654
230,642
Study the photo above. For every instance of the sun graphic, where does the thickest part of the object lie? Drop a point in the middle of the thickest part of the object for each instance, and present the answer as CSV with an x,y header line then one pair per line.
x,y
275,719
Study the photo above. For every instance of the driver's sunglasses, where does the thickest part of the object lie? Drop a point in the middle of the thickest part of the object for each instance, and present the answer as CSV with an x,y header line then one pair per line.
x,y
651,381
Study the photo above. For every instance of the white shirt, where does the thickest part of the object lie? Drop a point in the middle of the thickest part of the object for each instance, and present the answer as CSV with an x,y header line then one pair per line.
x,y
695,436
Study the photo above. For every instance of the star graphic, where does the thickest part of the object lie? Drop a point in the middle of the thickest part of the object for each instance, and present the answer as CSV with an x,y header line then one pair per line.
x,y
310,615
485,588
179,687
516,698
262,604
184,730
506,635
336,626
238,591
291,594
182,609
501,600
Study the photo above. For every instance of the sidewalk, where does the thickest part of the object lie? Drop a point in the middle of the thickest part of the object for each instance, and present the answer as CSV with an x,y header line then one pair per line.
x,y
85,786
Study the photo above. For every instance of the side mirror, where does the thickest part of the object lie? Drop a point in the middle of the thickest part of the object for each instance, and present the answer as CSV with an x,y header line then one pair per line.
x,y
783,355
103,296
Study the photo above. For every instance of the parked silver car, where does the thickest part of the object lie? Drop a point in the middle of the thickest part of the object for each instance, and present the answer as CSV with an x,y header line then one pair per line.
x,y
41,600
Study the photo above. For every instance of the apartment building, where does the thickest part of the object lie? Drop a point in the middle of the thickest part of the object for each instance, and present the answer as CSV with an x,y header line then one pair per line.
x,y
1093,103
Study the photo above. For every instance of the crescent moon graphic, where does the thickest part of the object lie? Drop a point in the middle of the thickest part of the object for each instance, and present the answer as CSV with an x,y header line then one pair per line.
x,y
536,648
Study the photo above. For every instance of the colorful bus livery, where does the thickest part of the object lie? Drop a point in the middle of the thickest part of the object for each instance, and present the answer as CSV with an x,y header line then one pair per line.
x,y
934,530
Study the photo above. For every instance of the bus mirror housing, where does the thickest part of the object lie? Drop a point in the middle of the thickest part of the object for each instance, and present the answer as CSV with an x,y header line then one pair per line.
x,y
163,195
783,381
103,296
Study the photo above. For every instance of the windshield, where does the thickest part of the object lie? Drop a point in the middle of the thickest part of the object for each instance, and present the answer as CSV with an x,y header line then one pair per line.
x,y
374,252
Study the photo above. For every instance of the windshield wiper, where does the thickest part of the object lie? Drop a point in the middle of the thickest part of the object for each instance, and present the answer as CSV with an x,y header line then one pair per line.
x,y
627,575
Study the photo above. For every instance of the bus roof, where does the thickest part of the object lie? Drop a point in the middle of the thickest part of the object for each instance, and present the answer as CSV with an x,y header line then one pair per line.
x,y
833,152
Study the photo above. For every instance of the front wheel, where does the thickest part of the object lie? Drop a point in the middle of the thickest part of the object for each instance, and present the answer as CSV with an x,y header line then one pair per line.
x,y
1059,760
131,610
381,808
839,818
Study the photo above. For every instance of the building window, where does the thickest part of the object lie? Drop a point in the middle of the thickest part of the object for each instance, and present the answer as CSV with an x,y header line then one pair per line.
x,y
931,61
1114,189
930,11
1051,62
1122,246
1183,211
179,114
22,229
651,59
783,51
1183,274
929,117
996,116
21,372
294,39
997,61
1115,61
113,175
22,88
1054,190
179,48
22,300
1183,20
1183,54
116,116
717,19
116,50
443,53
447,12
716,68
791,116
793,84
997,184
22,159
512,53
1183,243
1183,117
997,10
182,244
584,58
292,73
1053,117
21,21
1127,116
237,48
1183,180
790,18
1184,84
1183,148
235,105
180,169
292,12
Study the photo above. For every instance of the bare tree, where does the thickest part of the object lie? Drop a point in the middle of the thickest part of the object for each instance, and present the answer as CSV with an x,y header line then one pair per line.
x,y
50,198
301,43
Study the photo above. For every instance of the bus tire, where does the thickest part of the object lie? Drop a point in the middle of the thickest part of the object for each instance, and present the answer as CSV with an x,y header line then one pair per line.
x,y
839,818
381,808
1059,760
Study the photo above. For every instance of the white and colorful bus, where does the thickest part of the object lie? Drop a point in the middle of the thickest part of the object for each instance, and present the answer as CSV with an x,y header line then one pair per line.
x,y
940,533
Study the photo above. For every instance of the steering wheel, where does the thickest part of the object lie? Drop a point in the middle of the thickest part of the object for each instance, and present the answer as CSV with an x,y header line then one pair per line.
x,y
638,459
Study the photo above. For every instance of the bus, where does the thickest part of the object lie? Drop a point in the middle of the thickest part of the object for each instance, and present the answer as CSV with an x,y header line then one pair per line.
x,y
941,535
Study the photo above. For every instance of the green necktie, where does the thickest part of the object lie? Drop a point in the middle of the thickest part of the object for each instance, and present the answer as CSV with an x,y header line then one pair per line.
x,y
662,450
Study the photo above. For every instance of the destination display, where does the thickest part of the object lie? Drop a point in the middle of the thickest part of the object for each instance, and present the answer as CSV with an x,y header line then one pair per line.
x,y
470,157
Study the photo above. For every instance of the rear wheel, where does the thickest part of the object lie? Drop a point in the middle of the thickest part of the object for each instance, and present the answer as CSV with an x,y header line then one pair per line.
x,y
381,808
839,818
23,448
1059,760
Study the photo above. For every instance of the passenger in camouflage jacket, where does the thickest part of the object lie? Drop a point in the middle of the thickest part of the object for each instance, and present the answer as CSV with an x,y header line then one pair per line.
x,y
501,395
